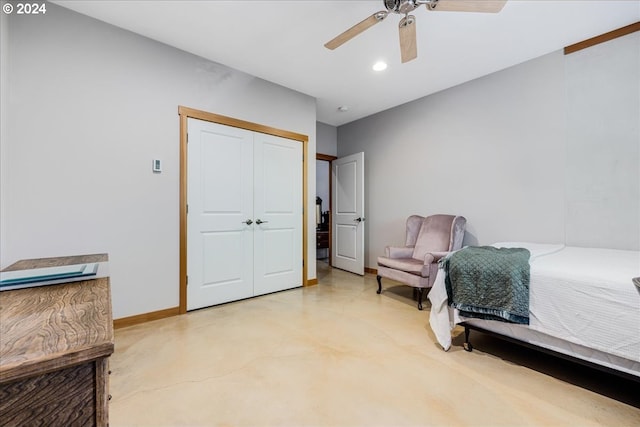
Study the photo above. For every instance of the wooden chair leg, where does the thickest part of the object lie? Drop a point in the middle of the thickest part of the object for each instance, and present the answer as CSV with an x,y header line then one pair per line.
x,y
379,285
420,294
467,344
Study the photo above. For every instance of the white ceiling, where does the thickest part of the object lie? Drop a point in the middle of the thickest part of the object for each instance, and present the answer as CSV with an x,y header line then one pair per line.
x,y
282,42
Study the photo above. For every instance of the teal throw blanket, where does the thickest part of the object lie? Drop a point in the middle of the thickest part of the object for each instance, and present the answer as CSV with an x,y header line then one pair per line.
x,y
489,283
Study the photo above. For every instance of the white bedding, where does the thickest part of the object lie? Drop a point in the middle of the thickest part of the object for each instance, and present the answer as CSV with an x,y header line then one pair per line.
x,y
583,296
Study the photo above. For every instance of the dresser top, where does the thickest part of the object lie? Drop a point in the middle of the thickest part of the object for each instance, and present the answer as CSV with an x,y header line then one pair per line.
x,y
48,327
27,264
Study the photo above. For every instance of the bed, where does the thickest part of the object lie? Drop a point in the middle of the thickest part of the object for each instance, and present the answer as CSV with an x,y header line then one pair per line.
x,y
583,305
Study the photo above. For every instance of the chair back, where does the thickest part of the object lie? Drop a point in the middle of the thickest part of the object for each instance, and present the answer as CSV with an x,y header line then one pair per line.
x,y
414,222
439,233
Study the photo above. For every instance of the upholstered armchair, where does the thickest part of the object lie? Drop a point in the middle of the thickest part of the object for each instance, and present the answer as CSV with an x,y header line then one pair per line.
x,y
427,241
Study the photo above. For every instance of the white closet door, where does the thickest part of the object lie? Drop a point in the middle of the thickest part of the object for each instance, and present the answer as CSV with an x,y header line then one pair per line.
x,y
220,200
244,224
278,206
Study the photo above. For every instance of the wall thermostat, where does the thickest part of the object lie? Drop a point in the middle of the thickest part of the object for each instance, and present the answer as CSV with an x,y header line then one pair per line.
x,y
157,166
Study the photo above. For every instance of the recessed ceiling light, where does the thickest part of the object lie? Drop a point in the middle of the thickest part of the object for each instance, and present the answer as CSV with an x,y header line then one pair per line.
x,y
379,66
343,108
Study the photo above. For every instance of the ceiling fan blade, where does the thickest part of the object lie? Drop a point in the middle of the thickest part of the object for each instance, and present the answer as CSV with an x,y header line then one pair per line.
x,y
487,6
356,29
408,47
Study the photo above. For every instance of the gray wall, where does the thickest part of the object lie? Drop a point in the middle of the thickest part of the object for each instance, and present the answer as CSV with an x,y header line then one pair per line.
x,y
323,183
603,145
89,106
327,143
496,150
327,139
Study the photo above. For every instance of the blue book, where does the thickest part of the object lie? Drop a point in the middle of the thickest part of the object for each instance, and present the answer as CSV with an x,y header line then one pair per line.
x,y
37,275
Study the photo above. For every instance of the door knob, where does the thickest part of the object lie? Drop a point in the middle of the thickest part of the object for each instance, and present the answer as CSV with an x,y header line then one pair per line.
x,y
359,219
259,221
248,222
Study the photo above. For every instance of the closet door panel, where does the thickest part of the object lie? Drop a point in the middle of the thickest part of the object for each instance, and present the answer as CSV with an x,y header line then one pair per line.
x,y
278,205
220,200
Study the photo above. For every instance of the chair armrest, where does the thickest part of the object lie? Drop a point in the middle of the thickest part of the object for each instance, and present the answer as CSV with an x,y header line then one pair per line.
x,y
398,251
432,257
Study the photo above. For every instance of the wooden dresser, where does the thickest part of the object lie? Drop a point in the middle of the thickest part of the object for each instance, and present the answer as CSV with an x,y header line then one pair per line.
x,y
55,342
322,239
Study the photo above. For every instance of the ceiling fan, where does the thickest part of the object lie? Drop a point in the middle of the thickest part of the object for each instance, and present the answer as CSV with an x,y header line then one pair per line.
x,y
407,25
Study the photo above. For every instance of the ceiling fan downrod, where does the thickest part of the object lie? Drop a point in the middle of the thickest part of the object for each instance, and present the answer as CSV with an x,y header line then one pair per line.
x,y
404,7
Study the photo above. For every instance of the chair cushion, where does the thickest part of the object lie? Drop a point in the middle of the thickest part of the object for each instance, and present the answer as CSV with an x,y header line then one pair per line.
x,y
409,265
414,280
434,236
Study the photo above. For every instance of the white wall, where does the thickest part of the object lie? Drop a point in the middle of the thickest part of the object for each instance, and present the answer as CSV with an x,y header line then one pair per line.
x,y
90,105
507,152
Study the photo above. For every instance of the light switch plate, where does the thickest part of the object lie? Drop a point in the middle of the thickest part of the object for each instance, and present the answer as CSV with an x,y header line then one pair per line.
x,y
157,166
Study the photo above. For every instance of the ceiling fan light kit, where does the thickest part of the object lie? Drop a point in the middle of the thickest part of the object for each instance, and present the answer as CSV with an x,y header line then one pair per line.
x,y
407,25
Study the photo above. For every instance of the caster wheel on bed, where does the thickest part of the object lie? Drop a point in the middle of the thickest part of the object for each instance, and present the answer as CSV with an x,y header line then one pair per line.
x,y
467,346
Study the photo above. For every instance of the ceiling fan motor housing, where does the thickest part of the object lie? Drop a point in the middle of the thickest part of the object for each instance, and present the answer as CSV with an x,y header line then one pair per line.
x,y
392,5
400,6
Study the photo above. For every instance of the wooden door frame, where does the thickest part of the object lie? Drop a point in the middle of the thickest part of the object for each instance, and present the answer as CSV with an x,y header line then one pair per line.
x,y
330,159
186,113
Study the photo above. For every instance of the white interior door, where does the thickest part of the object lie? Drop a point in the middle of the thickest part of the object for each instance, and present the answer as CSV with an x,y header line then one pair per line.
x,y
347,182
220,201
244,221
277,213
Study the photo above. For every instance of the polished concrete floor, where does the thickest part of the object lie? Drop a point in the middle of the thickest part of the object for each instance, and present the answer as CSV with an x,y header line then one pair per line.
x,y
338,354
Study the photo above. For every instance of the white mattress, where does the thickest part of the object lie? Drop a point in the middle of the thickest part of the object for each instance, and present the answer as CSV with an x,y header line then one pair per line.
x,y
582,302
586,296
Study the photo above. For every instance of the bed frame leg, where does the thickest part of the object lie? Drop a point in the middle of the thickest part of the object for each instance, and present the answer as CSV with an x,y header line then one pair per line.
x,y
467,344
379,278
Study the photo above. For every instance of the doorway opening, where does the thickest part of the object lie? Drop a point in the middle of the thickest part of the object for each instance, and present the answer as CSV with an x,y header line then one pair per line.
x,y
323,214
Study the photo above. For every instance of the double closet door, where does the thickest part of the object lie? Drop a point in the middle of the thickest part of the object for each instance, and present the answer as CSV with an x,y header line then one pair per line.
x,y
244,221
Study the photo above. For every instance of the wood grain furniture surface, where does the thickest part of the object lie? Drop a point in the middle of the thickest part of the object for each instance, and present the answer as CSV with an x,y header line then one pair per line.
x,y
322,239
55,342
